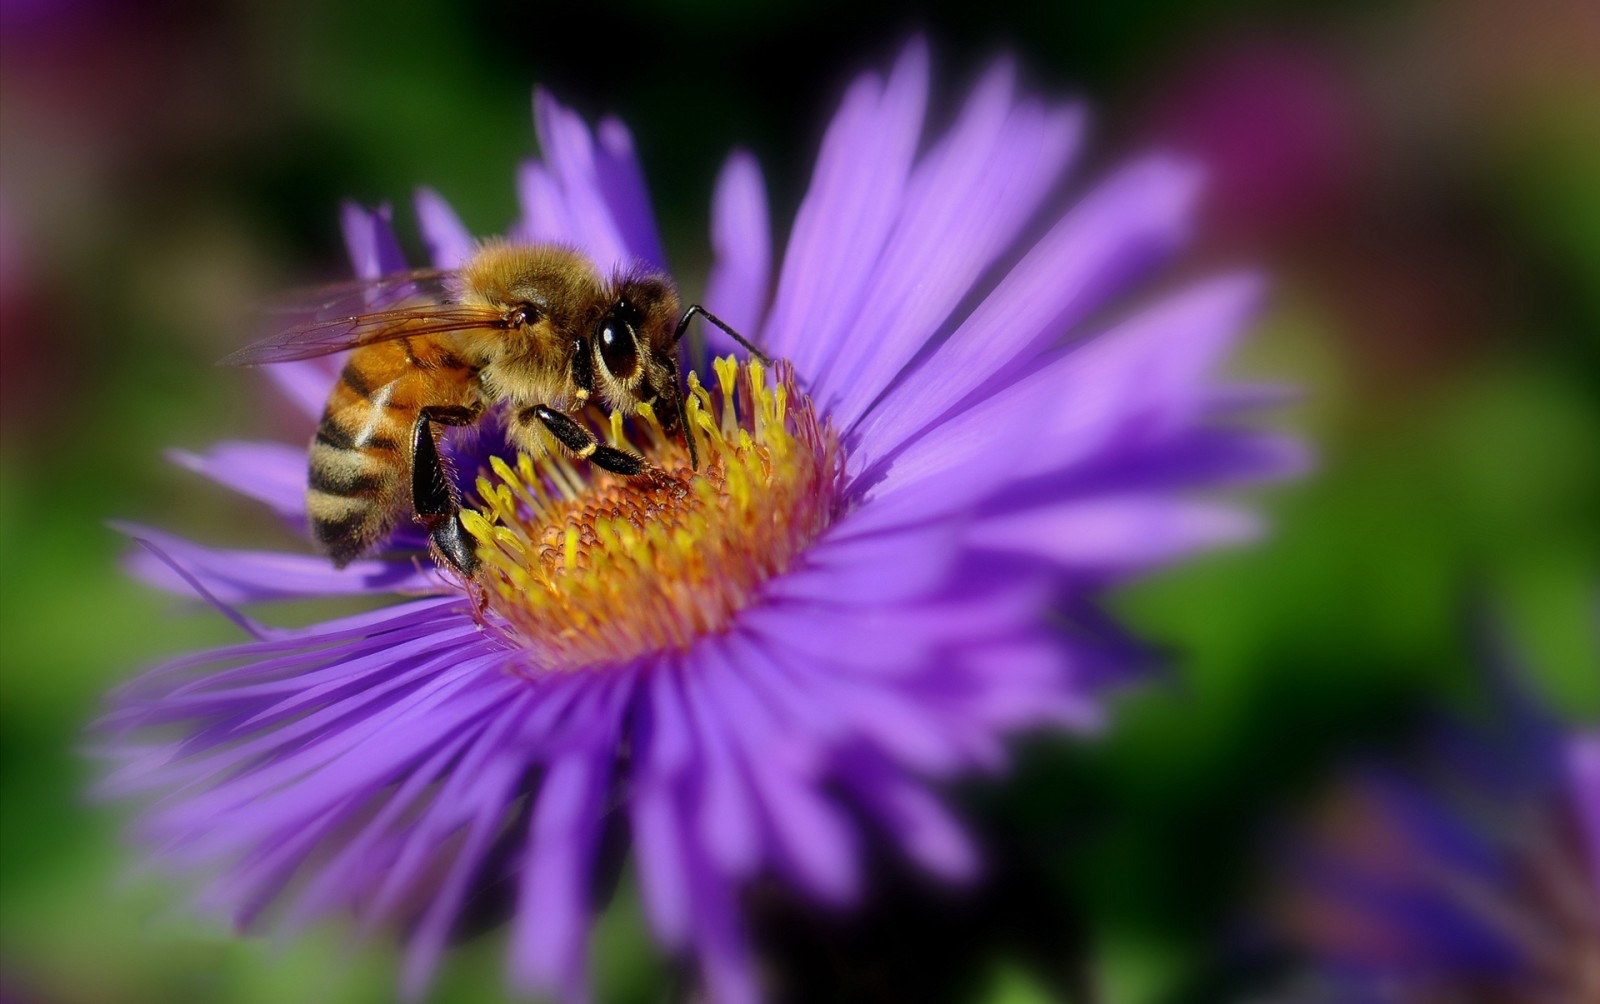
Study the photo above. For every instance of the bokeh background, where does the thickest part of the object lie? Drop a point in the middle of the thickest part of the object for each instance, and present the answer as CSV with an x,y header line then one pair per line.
x,y
1420,178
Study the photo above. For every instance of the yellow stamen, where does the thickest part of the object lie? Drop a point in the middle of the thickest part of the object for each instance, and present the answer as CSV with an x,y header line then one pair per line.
x,y
585,569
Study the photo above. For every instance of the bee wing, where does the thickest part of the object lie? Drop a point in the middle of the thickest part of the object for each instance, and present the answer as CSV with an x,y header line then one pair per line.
x,y
361,296
324,337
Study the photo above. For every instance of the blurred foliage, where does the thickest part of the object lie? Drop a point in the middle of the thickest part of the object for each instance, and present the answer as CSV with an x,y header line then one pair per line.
x,y
164,166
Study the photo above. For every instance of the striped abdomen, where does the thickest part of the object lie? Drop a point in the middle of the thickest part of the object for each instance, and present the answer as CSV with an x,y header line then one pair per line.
x,y
361,457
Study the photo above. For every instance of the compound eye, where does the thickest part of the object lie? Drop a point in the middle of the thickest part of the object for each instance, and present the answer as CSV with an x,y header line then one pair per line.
x,y
619,345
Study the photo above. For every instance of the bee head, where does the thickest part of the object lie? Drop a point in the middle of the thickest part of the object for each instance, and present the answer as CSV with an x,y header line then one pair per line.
x,y
635,345
636,329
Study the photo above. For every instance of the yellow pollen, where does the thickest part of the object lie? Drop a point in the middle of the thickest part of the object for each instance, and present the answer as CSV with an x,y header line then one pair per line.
x,y
586,568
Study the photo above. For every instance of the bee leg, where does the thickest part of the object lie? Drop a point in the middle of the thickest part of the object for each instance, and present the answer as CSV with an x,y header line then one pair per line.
x,y
584,446
431,493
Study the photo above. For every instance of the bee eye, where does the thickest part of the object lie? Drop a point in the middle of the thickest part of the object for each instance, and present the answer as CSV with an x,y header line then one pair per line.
x,y
619,347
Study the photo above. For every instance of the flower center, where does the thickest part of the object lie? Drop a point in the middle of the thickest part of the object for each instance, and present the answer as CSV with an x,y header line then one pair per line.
x,y
585,568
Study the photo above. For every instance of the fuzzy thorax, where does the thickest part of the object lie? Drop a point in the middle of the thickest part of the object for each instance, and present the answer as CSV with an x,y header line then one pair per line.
x,y
585,569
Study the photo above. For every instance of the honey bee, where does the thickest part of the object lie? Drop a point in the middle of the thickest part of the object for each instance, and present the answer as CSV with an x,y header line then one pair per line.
x,y
535,327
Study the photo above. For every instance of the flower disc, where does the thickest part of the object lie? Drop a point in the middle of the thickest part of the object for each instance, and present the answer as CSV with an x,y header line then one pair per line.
x,y
587,569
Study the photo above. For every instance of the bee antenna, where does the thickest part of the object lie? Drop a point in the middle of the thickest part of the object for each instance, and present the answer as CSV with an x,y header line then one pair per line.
x,y
695,308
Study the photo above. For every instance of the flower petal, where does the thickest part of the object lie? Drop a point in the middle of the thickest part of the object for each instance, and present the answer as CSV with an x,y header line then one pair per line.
x,y
741,241
660,836
1116,534
1584,764
966,203
369,238
914,818
848,567
551,932
848,212
273,473
545,218
306,383
1120,229
236,576
621,182
570,159
724,954
1140,383
448,242
815,846
728,823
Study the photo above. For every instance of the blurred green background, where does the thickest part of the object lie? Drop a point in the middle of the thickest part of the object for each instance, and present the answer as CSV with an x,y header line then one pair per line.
x,y
1420,178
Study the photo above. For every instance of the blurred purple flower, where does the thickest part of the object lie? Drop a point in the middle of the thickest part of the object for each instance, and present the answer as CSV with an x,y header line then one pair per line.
x,y
1474,876
1277,124
995,466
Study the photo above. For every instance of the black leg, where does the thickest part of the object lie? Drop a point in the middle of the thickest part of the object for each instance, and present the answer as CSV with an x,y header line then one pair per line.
x,y
681,414
431,493
695,308
583,444
582,369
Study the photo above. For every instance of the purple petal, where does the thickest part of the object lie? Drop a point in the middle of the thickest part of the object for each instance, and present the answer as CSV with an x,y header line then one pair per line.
x,y
544,212
741,240
448,242
551,930
659,836
369,238
1199,457
850,567
728,826
670,747
621,182
235,576
570,158
331,883
1118,534
848,212
428,943
965,205
1149,373
964,461
306,383
1031,683
915,819
724,955
1138,383
815,845
890,717
332,730
273,473
376,628
198,588
1584,764
870,638
753,722
779,679
1124,226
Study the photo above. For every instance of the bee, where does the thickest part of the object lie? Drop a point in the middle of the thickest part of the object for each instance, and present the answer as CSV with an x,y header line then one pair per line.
x,y
533,327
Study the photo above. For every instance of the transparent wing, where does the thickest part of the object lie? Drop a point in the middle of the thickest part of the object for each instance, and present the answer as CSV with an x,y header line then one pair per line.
x,y
324,337
361,296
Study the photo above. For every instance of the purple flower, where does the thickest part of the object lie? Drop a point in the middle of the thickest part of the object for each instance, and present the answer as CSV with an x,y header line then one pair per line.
x,y
887,567
1472,874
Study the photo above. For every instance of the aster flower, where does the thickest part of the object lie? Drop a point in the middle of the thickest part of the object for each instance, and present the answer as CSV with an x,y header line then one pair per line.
x,y
1470,874
887,564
